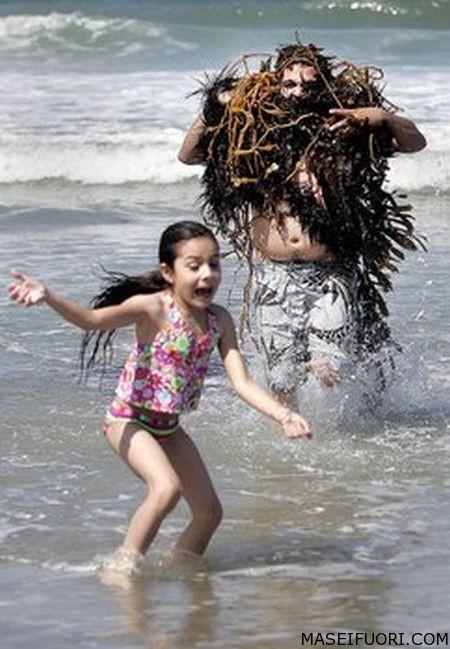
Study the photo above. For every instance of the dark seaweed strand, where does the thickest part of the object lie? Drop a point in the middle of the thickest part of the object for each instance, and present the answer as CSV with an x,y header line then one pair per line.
x,y
97,346
362,221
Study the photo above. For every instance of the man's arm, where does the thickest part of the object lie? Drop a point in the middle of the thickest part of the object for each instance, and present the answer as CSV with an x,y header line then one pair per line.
x,y
190,154
405,134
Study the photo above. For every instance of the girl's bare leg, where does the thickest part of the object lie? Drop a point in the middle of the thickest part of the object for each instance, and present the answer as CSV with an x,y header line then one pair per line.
x,y
147,459
198,490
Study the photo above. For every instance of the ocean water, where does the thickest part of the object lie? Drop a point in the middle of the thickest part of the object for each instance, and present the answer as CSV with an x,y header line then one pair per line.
x,y
348,532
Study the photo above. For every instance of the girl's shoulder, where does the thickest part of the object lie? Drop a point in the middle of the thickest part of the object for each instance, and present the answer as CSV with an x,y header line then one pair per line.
x,y
153,309
217,310
222,316
150,304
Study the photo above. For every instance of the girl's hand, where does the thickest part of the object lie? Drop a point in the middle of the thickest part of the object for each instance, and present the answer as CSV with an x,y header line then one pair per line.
x,y
294,425
25,290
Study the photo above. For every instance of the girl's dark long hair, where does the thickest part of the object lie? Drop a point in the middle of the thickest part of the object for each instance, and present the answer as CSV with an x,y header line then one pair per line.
x,y
118,287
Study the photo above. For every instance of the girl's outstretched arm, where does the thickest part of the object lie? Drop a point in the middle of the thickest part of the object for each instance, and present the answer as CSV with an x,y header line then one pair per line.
x,y
29,292
294,425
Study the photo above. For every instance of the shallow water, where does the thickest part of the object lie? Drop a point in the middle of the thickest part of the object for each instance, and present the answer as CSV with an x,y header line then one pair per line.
x,y
346,532
349,531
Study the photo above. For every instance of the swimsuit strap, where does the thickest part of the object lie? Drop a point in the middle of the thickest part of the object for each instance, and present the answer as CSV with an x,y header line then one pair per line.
x,y
212,326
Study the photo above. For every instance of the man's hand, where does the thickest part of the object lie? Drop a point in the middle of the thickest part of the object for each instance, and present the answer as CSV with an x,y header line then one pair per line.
x,y
373,117
224,96
322,369
306,178
406,137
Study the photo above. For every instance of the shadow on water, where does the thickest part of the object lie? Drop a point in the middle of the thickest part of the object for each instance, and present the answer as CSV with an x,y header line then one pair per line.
x,y
48,219
300,556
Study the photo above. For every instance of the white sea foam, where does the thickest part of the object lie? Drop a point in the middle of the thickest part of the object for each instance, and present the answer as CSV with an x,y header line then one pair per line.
x,y
78,32
118,128
153,159
95,129
92,164
427,172
354,5
65,567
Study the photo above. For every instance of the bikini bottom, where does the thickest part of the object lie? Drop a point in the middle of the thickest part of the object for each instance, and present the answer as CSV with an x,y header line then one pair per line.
x,y
159,425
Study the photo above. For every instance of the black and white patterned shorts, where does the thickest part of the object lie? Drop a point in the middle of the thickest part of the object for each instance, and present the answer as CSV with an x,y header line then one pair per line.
x,y
306,310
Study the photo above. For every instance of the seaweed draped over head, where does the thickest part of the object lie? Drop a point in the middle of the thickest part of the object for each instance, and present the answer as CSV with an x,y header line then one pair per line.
x,y
258,143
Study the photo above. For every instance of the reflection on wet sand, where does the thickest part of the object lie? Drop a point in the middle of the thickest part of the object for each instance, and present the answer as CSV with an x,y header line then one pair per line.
x,y
139,595
316,587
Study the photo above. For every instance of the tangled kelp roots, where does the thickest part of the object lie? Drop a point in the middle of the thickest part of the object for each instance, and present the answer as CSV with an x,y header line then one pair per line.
x,y
256,144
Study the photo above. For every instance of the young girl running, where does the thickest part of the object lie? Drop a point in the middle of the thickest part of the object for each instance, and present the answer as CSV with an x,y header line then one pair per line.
x,y
176,328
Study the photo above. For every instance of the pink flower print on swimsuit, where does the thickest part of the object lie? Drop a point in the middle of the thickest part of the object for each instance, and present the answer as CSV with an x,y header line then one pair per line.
x,y
167,375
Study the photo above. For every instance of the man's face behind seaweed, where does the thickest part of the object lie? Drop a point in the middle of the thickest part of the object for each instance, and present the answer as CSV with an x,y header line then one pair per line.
x,y
296,78
305,76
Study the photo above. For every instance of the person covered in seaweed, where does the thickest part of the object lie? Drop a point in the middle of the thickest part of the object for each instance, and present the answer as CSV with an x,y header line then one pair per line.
x,y
296,157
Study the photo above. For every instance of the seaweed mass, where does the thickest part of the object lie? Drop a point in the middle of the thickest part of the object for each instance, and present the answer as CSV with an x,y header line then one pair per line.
x,y
256,142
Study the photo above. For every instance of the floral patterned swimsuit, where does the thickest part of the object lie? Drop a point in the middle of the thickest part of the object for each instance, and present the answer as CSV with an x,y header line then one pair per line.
x,y
164,378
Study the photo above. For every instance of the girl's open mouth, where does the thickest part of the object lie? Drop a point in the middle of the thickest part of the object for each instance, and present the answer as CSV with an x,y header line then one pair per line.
x,y
203,292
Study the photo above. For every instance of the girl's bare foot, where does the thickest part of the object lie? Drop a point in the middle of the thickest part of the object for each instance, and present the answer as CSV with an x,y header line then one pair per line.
x,y
118,568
